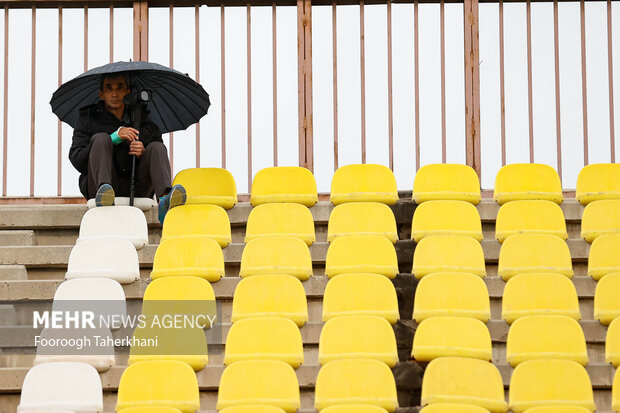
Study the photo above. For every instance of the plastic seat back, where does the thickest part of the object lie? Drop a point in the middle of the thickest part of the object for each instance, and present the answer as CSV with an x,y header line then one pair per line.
x,y
446,218
527,181
164,383
453,408
195,221
104,297
292,184
362,218
194,256
276,255
143,204
447,294
361,253
104,258
612,343
360,294
603,258
252,409
358,337
259,382
530,217
264,338
463,380
537,383
270,295
363,183
214,186
115,222
539,294
448,253
523,253
558,409
355,381
600,218
606,303
155,409
615,393
598,181
280,219
354,408
451,337
446,181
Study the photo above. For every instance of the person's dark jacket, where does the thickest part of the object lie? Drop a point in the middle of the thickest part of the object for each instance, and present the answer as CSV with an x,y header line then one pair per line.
x,y
95,119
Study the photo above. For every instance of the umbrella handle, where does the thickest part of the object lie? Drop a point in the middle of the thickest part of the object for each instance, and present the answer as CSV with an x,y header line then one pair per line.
x,y
132,182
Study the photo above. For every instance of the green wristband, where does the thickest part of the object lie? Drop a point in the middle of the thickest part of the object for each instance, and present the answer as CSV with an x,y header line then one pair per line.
x,y
115,138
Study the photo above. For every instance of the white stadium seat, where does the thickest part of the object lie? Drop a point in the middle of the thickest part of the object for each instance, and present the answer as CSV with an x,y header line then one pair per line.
x,y
104,258
144,204
115,222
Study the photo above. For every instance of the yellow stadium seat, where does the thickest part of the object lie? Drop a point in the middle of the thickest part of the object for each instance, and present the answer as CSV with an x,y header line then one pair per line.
x,y
196,256
364,183
603,257
259,382
362,218
453,408
539,294
558,409
615,393
537,383
355,381
276,255
451,253
524,253
360,294
252,409
358,337
463,380
527,181
154,409
530,217
280,219
214,186
284,184
270,295
361,253
194,221
451,294
354,408
600,218
546,337
163,383
451,337
606,303
264,338
598,181
612,343
446,181
446,218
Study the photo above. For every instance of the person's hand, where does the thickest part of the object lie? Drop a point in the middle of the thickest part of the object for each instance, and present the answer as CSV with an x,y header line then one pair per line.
x,y
128,134
136,148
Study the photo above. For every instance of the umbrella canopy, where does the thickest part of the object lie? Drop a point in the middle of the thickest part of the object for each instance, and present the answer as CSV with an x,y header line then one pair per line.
x,y
177,101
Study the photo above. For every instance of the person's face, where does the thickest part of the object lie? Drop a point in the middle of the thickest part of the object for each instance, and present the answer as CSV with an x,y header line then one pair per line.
x,y
114,90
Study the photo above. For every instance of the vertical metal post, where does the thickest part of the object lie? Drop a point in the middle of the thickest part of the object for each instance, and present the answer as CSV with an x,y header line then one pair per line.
x,y
249,82
140,30
59,177
274,57
529,78
610,71
5,145
33,65
501,83
171,51
197,56
223,80
584,82
111,33
416,82
335,79
442,30
472,85
390,102
304,65
363,81
558,124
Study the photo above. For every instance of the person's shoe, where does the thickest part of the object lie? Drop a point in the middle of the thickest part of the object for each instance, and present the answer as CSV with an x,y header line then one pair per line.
x,y
105,195
177,196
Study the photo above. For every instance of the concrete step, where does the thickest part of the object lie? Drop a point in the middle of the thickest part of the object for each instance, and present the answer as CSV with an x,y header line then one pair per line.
x,y
13,272
23,237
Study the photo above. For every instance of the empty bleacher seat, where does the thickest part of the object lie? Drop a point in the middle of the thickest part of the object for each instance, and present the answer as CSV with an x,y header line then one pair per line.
x,y
615,393
264,338
606,303
354,408
103,296
523,253
463,380
194,221
117,222
446,218
284,184
276,255
195,256
527,181
259,382
150,409
451,253
539,294
280,219
361,253
362,218
598,181
164,383
600,218
270,295
451,294
558,409
603,257
61,386
104,258
530,217
256,408
364,183
214,186
143,204
546,337
360,294
358,337
453,408
451,337
612,343
537,383
355,381
446,181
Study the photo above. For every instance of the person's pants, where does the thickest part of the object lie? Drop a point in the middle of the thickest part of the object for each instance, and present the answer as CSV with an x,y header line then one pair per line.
x,y
152,170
